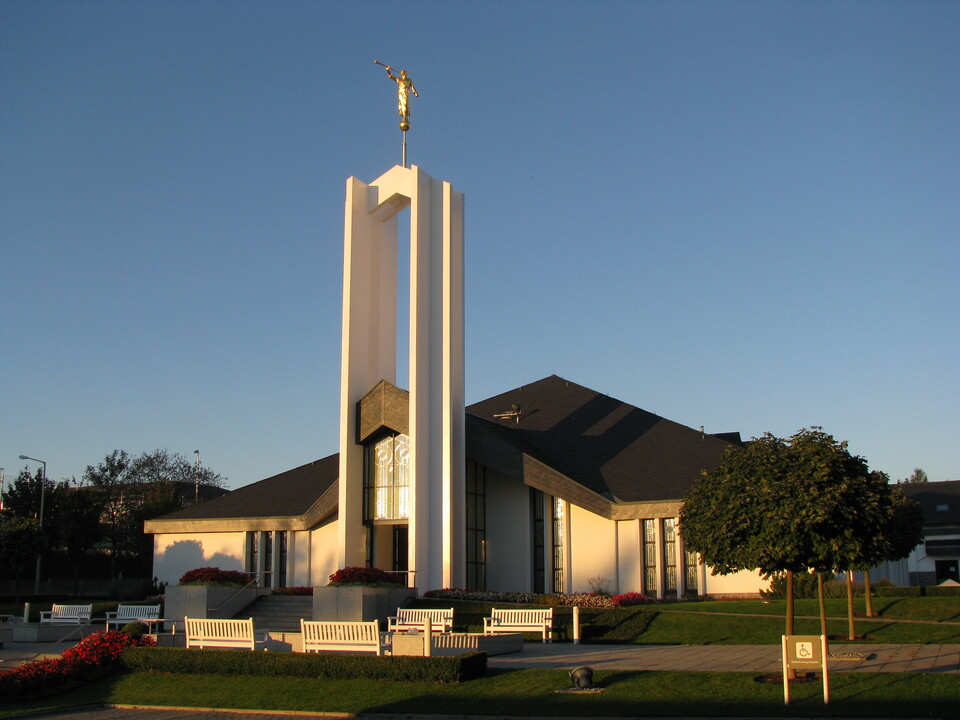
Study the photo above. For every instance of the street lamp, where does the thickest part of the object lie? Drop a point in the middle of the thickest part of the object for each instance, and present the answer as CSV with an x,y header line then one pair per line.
x,y
43,497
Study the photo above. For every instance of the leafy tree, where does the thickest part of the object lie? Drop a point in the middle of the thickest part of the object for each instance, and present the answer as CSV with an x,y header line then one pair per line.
x,y
20,543
110,477
918,476
78,522
22,496
776,505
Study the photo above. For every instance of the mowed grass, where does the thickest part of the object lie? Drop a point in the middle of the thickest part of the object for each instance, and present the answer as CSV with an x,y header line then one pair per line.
x,y
533,693
735,623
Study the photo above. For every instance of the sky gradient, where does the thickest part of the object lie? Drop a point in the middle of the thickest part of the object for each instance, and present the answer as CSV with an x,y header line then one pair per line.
x,y
741,215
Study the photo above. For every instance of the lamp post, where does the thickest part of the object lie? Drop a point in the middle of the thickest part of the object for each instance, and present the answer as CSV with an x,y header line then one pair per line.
x,y
196,479
43,497
1,489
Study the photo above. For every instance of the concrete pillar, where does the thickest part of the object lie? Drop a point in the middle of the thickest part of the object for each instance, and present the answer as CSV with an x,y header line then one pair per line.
x,y
436,412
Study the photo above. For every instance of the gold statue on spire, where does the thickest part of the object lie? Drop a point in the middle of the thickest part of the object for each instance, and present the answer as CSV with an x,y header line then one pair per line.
x,y
404,87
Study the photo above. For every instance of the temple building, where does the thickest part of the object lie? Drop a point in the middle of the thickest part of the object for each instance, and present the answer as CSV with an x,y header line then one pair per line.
x,y
548,487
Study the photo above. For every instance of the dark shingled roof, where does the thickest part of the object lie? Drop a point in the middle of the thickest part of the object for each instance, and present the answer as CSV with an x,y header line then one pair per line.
x,y
613,448
290,493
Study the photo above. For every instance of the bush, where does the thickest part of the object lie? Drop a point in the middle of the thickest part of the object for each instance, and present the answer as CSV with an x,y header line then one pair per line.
x,y
467,666
585,600
214,576
91,658
364,576
135,629
293,591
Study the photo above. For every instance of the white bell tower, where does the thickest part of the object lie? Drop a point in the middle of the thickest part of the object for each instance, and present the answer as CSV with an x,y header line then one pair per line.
x,y
435,533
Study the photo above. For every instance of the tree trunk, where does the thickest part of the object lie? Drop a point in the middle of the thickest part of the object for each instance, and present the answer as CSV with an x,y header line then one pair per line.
x,y
851,628
867,593
823,604
789,618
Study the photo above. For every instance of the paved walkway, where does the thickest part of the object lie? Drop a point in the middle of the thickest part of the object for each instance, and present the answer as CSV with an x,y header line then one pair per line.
x,y
849,657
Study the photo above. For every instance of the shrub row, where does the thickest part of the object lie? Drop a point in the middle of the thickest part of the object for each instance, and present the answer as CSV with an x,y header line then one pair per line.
x,y
341,666
214,576
372,577
919,591
552,599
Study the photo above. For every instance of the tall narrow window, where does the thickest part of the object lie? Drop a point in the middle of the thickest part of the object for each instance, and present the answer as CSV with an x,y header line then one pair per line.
x,y
559,531
650,558
476,526
386,479
670,556
253,552
281,559
539,531
690,571
268,559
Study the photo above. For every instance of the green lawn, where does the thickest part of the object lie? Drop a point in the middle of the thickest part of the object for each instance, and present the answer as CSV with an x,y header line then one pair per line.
x,y
532,693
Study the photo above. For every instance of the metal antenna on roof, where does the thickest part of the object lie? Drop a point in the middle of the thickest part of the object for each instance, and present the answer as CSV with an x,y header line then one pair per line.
x,y
513,412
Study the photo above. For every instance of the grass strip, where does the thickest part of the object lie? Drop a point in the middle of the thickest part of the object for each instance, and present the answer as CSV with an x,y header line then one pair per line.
x,y
526,693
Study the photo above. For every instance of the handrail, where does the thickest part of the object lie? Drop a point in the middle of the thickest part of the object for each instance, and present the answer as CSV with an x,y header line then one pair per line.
x,y
255,580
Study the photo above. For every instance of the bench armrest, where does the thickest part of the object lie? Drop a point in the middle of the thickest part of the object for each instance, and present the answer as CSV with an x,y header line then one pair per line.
x,y
111,615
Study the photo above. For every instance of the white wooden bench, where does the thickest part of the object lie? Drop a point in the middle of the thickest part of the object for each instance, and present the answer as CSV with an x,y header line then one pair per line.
x,y
320,636
67,614
220,633
415,618
520,620
125,614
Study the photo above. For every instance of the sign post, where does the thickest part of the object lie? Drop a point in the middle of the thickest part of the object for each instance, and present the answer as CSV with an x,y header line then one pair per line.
x,y
805,652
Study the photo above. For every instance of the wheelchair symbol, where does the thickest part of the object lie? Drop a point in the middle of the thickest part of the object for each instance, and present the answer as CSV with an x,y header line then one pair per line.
x,y
804,650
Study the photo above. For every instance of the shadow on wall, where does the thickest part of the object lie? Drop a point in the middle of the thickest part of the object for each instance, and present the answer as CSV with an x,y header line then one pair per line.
x,y
183,555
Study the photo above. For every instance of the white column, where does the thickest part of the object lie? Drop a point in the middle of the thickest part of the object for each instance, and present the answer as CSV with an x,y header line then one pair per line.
x,y
436,414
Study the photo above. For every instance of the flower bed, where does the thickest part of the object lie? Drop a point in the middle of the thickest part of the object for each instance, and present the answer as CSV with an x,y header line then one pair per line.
x,y
214,576
368,576
93,657
526,598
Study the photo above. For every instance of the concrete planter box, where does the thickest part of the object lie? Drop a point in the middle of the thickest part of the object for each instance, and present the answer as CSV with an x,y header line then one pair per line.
x,y
358,604
207,601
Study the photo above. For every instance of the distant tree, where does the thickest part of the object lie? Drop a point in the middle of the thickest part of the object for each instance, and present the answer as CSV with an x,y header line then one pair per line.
x,y
918,476
110,477
22,496
20,543
79,510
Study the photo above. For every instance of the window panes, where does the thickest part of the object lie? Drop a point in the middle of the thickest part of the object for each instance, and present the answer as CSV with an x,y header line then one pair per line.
x,y
387,479
670,555
650,558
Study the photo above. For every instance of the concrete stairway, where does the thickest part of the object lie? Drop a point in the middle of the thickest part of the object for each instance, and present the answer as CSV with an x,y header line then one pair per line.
x,y
279,613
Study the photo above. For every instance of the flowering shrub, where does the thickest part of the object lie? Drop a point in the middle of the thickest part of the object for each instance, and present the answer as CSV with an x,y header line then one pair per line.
x,y
484,596
214,576
94,656
525,598
363,576
293,591
629,598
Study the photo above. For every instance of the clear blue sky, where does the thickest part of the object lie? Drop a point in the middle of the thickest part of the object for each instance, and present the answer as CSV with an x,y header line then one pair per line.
x,y
742,215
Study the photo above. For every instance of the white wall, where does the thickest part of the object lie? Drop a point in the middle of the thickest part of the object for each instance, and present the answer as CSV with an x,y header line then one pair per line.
x,y
593,549
298,558
746,582
176,553
323,553
509,537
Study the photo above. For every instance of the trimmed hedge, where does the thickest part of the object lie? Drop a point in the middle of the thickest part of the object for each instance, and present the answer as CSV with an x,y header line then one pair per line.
x,y
918,591
340,666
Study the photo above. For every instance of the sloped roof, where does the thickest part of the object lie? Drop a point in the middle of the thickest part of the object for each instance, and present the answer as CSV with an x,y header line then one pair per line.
x,y
612,448
569,440
293,493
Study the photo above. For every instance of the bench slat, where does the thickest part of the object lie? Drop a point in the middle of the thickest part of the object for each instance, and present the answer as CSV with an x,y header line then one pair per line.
x,y
520,620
